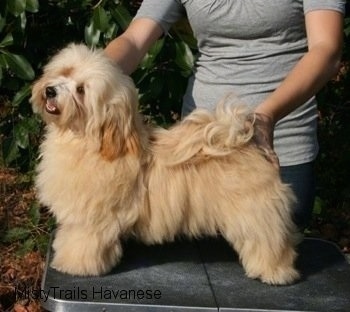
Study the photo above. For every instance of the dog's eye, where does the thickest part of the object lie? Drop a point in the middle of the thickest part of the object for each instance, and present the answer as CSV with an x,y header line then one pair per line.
x,y
80,90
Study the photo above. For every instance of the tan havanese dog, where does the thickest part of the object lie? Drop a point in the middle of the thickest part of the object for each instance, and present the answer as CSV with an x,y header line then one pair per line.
x,y
106,176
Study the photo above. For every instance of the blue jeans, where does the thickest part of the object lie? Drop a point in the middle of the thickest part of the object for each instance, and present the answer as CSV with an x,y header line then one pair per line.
x,y
301,178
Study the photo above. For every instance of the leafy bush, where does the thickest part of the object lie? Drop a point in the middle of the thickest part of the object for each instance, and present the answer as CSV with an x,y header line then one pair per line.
x,y
16,72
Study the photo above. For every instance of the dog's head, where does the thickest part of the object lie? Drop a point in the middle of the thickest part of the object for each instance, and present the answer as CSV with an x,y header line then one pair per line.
x,y
82,91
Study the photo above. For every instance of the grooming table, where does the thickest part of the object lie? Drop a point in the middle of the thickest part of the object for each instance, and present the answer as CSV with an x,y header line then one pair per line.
x,y
201,275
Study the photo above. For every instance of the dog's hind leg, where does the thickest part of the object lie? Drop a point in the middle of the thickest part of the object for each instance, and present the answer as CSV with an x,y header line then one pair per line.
x,y
270,264
265,246
80,251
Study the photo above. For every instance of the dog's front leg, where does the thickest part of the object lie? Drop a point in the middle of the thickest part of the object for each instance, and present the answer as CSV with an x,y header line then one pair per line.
x,y
81,251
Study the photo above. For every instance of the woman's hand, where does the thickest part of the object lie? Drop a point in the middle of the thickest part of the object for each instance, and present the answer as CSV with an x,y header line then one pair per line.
x,y
263,136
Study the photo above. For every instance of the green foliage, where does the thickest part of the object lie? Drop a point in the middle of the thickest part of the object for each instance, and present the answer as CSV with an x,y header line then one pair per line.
x,y
162,79
16,72
32,235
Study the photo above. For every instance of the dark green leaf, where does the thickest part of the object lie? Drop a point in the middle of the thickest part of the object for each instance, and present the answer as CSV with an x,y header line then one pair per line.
x,y
21,95
7,41
100,19
42,243
22,21
34,214
51,223
21,135
92,35
184,57
10,150
122,16
347,26
148,61
3,63
184,32
16,7
32,6
27,246
15,234
111,32
19,65
2,22
318,206
23,130
157,47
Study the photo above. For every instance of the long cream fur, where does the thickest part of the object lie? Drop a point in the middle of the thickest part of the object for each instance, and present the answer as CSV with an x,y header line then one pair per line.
x,y
107,176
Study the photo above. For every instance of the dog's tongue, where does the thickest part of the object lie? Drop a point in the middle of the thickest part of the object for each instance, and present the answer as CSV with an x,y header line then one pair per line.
x,y
51,107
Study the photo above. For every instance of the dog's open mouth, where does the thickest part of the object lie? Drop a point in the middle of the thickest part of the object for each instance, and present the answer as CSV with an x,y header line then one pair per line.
x,y
51,106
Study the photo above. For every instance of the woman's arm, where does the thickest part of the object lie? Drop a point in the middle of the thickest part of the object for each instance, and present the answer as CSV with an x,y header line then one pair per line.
x,y
129,48
325,36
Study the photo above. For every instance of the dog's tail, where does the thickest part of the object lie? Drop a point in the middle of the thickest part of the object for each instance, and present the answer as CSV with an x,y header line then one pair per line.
x,y
204,133
230,128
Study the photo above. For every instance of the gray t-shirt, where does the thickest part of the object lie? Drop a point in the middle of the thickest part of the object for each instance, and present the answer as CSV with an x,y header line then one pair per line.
x,y
248,47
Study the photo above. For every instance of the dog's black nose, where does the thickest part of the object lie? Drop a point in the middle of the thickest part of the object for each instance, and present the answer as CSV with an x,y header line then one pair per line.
x,y
50,92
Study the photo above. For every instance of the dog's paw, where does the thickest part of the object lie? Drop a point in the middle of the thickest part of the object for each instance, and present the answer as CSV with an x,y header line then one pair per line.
x,y
72,268
281,276
80,267
80,263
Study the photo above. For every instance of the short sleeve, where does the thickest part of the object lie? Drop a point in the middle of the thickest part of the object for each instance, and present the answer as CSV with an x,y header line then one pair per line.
x,y
164,12
336,5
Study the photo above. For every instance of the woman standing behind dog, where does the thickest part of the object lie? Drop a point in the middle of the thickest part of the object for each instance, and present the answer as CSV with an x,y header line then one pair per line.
x,y
275,55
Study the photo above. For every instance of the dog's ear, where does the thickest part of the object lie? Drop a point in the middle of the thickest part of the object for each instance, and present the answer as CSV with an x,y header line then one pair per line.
x,y
36,98
117,142
120,130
